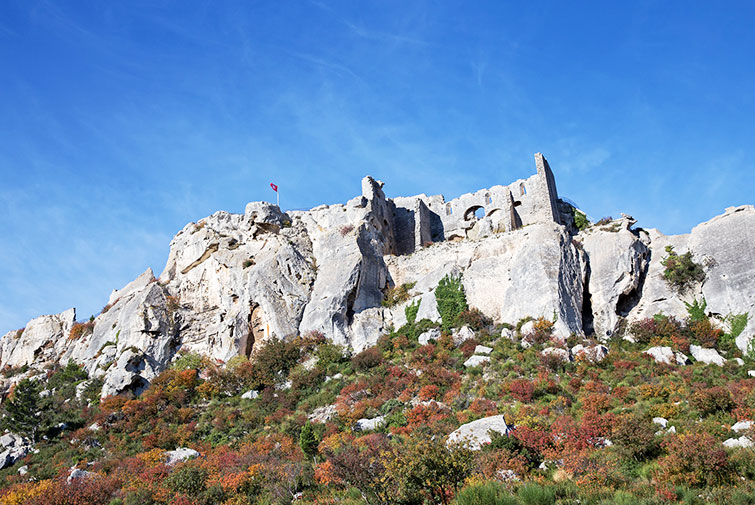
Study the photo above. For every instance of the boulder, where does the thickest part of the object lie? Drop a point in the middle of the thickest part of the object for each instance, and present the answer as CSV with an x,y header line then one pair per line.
x,y
663,422
79,474
742,426
665,355
369,424
474,361
741,442
593,354
706,355
527,328
250,395
462,335
14,447
178,455
476,434
429,335
481,349
561,354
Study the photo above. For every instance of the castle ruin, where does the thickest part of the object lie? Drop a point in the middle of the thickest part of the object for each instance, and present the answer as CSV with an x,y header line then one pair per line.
x,y
421,219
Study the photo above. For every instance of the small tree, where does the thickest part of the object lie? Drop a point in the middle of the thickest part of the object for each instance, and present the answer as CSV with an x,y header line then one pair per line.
x,y
681,271
20,411
451,300
308,440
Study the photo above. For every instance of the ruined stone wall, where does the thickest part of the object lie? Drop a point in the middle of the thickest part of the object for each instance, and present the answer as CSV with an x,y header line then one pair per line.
x,y
505,208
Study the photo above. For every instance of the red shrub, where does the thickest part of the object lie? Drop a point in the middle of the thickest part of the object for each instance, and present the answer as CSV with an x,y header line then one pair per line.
x,y
369,358
712,400
428,392
522,390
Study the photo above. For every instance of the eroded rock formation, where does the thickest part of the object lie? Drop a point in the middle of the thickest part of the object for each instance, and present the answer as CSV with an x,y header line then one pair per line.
x,y
233,280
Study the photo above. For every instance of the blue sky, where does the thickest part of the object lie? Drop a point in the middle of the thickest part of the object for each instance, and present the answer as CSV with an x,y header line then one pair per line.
x,y
122,121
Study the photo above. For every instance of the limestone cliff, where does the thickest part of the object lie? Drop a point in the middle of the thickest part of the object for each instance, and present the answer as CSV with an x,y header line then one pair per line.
x,y
232,280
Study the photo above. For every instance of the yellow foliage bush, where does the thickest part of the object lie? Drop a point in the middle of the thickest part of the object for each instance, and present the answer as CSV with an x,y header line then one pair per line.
x,y
22,493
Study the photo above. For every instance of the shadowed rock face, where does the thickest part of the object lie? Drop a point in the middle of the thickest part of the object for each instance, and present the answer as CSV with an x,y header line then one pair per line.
x,y
233,280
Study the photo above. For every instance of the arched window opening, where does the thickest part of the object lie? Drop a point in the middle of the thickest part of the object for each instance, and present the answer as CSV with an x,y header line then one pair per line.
x,y
474,212
522,189
449,210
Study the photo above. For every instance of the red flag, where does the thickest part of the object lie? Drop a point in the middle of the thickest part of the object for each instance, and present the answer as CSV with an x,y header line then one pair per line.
x,y
275,188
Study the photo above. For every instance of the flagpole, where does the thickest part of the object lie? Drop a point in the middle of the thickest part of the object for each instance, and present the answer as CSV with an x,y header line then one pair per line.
x,y
278,198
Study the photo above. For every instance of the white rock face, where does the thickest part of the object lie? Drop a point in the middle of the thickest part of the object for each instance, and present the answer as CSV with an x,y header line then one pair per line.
x,y
707,356
667,356
179,455
617,262
232,281
43,340
476,361
534,271
250,395
476,434
725,246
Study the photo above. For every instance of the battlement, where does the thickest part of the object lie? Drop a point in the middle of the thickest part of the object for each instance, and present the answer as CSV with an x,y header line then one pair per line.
x,y
421,219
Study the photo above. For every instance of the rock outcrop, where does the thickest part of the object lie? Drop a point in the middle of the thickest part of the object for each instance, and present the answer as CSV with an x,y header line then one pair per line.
x,y
234,280
617,260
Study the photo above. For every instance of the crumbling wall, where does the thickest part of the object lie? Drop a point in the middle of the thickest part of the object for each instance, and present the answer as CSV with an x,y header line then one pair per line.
x,y
504,208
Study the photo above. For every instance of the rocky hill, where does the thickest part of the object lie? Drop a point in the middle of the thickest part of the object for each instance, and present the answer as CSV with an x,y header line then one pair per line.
x,y
350,271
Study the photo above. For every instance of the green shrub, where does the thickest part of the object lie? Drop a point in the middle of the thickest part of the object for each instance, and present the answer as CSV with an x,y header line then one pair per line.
x,y
189,480
486,493
681,272
580,219
451,300
411,312
534,494
188,361
737,322
696,310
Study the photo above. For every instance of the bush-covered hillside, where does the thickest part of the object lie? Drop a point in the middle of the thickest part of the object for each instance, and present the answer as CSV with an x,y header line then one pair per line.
x,y
304,421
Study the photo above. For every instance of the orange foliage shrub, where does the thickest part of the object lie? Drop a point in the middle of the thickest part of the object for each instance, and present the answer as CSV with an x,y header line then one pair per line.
x,y
79,330
695,459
